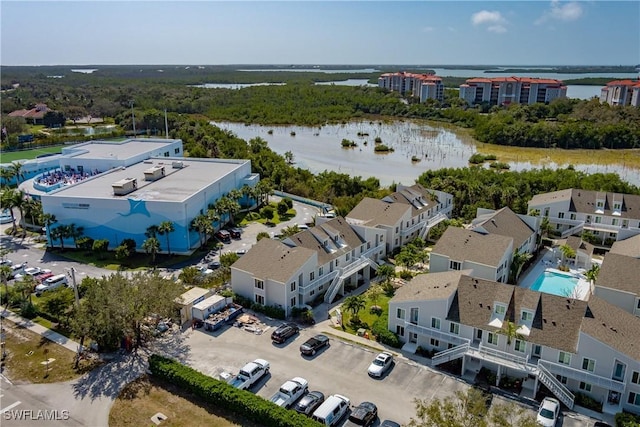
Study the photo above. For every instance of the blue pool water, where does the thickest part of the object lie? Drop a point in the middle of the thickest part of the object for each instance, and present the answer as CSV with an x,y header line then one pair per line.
x,y
555,283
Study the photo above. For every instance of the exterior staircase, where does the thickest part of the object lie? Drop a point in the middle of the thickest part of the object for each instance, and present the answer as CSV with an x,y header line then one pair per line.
x,y
432,222
573,230
334,288
450,354
555,386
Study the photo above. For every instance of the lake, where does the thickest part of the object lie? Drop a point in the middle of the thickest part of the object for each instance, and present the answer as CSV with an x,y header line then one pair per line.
x,y
436,146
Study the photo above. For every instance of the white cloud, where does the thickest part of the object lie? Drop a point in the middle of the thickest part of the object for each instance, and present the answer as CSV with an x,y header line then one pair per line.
x,y
487,17
571,11
497,29
427,29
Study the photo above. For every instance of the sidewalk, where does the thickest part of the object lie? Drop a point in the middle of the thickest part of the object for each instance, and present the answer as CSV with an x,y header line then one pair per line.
x,y
41,330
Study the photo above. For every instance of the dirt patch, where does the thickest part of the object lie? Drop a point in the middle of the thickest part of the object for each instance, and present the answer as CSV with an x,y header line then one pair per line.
x,y
147,396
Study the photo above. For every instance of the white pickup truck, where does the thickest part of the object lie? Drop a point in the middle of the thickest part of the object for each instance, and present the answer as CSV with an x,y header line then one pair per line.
x,y
249,374
290,392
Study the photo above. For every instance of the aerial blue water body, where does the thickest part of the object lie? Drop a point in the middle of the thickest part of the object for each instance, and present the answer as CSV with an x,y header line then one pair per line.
x,y
555,284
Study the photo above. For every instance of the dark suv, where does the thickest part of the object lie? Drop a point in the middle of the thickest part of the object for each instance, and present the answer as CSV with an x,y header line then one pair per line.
x,y
284,332
363,415
312,345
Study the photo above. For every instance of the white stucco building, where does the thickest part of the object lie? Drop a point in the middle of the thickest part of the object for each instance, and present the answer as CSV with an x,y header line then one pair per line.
x,y
511,90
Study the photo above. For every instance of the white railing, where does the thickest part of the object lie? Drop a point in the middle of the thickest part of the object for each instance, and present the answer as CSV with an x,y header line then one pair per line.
x,y
450,354
411,229
435,333
333,289
353,267
372,263
572,230
601,227
555,386
433,222
322,279
503,358
584,376
372,250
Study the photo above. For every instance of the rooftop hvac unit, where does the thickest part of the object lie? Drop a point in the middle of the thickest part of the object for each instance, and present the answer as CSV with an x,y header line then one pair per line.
x,y
124,186
154,173
177,165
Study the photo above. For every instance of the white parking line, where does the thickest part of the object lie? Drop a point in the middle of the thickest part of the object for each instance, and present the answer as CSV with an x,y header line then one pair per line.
x,y
13,405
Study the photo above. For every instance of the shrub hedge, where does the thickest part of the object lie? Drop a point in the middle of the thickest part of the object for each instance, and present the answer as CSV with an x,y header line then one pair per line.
x,y
384,335
269,310
625,419
241,402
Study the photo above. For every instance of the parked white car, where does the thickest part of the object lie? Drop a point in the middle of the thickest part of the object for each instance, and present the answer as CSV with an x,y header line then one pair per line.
x,y
51,283
31,271
548,412
381,364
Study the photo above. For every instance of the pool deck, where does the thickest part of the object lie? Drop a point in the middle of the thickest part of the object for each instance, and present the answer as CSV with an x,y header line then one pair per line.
x,y
549,262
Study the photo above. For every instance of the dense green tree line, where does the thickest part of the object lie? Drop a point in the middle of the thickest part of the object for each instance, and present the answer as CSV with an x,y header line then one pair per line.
x,y
476,187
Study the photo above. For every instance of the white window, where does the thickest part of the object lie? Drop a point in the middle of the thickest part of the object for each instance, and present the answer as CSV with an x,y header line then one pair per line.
x,y
259,299
492,338
435,323
347,257
259,284
413,315
312,276
617,206
400,330
561,215
634,398
400,313
454,328
455,265
635,377
614,221
562,379
292,286
312,293
434,342
520,345
572,216
500,309
564,358
588,364
600,204
293,302
598,219
527,316
320,271
585,386
546,211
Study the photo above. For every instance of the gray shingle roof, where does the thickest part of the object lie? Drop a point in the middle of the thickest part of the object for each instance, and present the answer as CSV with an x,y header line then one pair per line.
x,y
429,286
374,212
272,259
460,244
506,223
613,326
620,272
416,196
584,201
576,243
629,247
315,237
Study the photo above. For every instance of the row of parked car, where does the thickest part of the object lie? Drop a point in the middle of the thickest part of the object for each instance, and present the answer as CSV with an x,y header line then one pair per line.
x,y
331,410
46,280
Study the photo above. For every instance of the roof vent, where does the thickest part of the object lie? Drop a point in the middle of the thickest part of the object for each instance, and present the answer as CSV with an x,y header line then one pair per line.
x,y
553,322
124,186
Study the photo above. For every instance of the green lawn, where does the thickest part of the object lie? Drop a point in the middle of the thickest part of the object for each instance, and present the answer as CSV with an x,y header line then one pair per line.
x,y
365,315
137,260
11,156
244,218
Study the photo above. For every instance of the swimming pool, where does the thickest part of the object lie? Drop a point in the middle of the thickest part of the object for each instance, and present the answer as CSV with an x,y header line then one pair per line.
x,y
555,283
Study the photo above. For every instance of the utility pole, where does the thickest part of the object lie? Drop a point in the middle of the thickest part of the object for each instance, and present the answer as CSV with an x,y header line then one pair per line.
x,y
72,272
166,125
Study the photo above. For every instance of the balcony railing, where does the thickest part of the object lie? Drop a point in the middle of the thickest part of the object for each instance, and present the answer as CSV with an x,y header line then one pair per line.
x,y
584,376
435,333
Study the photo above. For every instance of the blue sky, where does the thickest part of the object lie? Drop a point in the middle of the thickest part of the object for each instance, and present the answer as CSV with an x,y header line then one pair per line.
x,y
320,32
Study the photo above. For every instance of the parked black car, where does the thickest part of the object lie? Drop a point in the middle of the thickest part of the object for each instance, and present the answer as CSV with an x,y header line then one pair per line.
x,y
309,403
312,345
363,415
284,332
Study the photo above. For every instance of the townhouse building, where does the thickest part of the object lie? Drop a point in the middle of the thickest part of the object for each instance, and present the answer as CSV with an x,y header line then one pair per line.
x,y
422,86
487,255
409,212
505,222
567,345
618,280
320,261
511,90
608,216
621,92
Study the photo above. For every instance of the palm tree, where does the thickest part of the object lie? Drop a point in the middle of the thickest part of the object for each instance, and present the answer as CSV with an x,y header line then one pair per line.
x,y
48,219
355,304
151,246
567,252
203,226
75,233
517,262
7,200
510,330
17,201
166,228
33,209
16,171
592,274
387,272
5,177
61,232
152,231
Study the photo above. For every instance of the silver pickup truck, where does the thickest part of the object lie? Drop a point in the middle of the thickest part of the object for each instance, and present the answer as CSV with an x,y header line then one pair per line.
x,y
249,374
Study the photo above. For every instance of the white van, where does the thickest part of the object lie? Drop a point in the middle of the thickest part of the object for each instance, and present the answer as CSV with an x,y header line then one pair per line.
x,y
331,410
51,283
